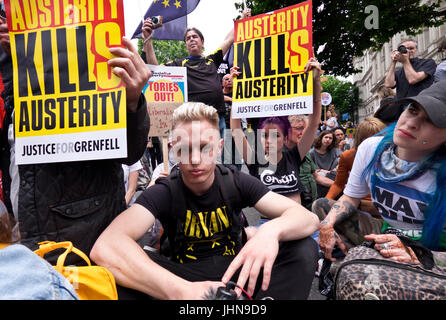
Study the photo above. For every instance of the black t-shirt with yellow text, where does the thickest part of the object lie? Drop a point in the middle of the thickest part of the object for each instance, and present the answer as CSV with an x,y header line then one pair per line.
x,y
206,224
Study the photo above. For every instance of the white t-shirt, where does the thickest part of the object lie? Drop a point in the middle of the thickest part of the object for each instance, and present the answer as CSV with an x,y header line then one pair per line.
x,y
127,169
334,121
401,205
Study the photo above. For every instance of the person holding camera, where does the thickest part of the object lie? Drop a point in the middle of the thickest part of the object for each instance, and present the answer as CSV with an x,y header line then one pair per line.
x,y
203,81
440,72
416,74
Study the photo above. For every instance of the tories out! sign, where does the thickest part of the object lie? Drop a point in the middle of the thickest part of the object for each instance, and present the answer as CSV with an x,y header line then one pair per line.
x,y
165,91
69,106
271,51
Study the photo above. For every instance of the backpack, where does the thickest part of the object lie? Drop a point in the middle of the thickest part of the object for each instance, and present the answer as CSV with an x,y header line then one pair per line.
x,y
231,197
366,275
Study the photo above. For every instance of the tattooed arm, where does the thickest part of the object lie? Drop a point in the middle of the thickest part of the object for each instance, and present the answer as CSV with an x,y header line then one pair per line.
x,y
344,208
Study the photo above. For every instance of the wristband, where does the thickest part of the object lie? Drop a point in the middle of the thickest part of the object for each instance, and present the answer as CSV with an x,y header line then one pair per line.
x,y
147,39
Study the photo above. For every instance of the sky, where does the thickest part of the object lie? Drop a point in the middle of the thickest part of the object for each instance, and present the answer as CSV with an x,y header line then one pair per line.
x,y
214,18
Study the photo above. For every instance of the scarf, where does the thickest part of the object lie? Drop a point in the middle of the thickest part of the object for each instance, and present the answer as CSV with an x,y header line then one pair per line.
x,y
390,168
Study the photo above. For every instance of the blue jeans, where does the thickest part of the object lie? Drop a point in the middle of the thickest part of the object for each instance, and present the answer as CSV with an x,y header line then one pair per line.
x,y
26,276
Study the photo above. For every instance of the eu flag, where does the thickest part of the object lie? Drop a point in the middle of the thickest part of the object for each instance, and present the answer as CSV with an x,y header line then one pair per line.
x,y
174,13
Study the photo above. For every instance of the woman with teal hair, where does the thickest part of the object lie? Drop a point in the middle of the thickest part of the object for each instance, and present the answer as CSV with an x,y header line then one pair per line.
x,y
404,168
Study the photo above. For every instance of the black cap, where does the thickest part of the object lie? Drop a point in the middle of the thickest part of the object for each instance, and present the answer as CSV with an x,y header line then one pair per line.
x,y
388,111
433,101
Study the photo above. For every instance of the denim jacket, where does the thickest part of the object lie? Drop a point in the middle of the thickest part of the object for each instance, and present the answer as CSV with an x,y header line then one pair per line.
x,y
26,276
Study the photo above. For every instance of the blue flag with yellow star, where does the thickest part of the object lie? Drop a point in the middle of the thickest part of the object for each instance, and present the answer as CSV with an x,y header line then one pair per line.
x,y
174,13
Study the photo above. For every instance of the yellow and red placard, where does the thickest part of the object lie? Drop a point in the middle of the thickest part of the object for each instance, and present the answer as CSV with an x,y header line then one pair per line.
x,y
69,106
271,51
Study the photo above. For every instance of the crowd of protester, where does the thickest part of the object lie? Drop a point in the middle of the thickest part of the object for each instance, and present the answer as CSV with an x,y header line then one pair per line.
x,y
307,178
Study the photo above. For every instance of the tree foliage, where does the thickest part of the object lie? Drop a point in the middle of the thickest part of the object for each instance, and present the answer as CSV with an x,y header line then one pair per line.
x,y
166,50
345,96
341,25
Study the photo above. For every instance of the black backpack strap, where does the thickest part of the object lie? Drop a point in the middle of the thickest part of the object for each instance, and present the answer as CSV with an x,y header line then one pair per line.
x,y
228,189
178,205
233,201
230,194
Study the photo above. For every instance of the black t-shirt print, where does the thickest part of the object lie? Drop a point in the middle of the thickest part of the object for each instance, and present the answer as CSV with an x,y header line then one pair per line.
x,y
285,178
206,224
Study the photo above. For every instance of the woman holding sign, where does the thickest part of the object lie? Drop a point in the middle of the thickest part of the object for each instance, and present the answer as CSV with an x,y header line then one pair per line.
x,y
278,169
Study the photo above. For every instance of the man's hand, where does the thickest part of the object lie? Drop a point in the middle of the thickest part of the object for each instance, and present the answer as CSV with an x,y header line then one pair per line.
x,y
129,66
147,28
395,55
259,252
399,57
390,246
246,13
4,36
314,65
234,71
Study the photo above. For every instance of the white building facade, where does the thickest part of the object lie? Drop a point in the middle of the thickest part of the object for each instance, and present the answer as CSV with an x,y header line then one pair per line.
x,y
375,64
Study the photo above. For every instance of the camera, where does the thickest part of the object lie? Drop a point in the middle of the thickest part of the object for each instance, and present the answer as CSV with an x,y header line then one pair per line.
x,y
157,21
402,49
224,293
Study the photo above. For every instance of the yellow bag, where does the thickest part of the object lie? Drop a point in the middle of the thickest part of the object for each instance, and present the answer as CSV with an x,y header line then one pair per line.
x,y
90,282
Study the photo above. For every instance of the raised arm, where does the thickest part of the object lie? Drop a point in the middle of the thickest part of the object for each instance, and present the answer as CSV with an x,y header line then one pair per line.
x,y
128,65
229,39
390,81
147,44
309,133
240,141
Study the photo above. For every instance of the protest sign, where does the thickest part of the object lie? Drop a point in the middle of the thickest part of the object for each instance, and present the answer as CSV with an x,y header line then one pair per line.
x,y
69,106
325,98
165,91
271,51
350,132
